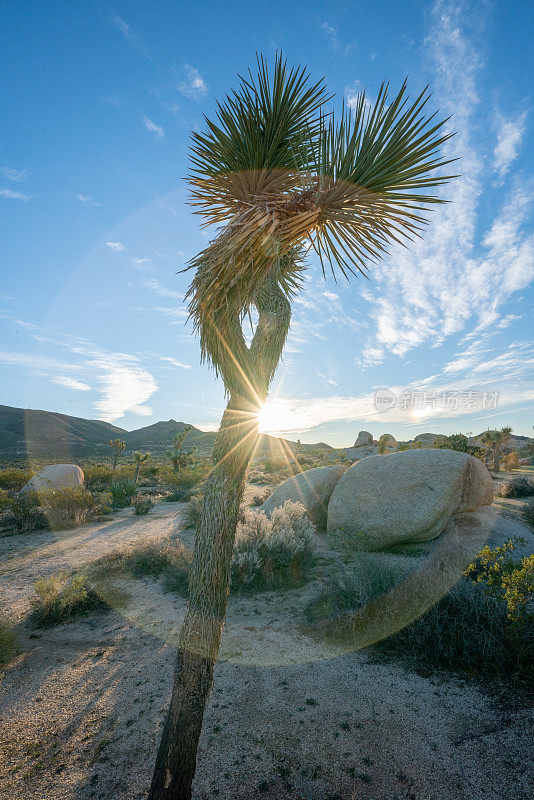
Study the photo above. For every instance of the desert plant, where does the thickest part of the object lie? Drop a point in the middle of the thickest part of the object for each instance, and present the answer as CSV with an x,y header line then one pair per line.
x,y
142,504
98,477
273,552
24,513
494,440
504,578
61,598
165,558
180,455
8,643
510,461
14,478
191,513
139,460
277,173
528,512
118,447
71,506
122,490
517,487
260,498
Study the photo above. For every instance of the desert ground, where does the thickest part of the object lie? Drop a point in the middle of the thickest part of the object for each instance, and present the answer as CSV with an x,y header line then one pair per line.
x,y
290,716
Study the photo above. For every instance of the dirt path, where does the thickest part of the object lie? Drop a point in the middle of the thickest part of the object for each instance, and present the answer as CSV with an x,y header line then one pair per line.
x,y
81,709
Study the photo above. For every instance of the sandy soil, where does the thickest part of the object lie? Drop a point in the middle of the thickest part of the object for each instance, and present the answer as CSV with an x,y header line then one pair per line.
x,y
290,717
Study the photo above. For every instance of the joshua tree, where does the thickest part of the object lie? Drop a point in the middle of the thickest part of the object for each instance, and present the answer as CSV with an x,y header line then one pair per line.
x,y
178,455
281,176
119,446
494,440
139,460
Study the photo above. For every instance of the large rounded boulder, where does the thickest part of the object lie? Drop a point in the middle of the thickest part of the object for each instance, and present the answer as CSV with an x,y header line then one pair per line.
x,y
406,497
55,476
311,488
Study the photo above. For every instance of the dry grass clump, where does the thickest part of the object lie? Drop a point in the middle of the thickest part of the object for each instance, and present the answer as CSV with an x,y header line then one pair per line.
x,y
275,552
517,487
62,598
166,559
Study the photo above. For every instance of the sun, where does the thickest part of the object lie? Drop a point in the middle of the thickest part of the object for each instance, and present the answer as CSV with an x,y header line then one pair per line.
x,y
278,416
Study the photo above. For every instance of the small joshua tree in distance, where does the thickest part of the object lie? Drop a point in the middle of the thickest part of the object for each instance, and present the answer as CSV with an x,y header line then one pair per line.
x,y
118,446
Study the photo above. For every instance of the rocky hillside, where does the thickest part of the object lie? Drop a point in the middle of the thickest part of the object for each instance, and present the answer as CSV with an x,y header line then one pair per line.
x,y
25,433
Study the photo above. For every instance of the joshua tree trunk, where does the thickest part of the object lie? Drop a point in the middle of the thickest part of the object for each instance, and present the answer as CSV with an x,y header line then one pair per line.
x,y
210,573
496,460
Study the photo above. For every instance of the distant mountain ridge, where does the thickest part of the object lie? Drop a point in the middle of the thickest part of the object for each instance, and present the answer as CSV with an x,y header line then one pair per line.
x,y
27,433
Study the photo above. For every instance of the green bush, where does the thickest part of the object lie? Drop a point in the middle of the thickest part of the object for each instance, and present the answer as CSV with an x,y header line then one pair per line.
x,y
273,552
61,598
122,490
517,487
14,479
351,591
8,643
142,504
482,626
166,558
98,477
179,496
72,506
23,513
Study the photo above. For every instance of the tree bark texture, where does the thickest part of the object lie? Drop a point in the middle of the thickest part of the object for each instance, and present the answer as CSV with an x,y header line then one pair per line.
x,y
212,558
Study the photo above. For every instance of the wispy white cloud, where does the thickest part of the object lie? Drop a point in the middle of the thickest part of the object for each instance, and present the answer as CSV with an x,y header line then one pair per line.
x,y
117,247
155,286
87,200
11,195
425,293
71,383
17,175
510,134
157,130
174,362
124,385
332,32
144,264
193,85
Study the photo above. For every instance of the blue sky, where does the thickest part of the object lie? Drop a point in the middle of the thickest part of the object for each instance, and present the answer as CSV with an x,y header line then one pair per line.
x,y
98,100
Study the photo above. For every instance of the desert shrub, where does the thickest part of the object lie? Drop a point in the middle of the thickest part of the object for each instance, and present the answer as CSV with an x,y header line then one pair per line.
x,y
122,490
504,578
258,477
275,464
61,598
350,591
260,498
517,487
71,506
8,643
528,512
23,514
273,552
98,477
6,500
191,513
166,558
142,504
179,496
13,478
483,625
510,461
